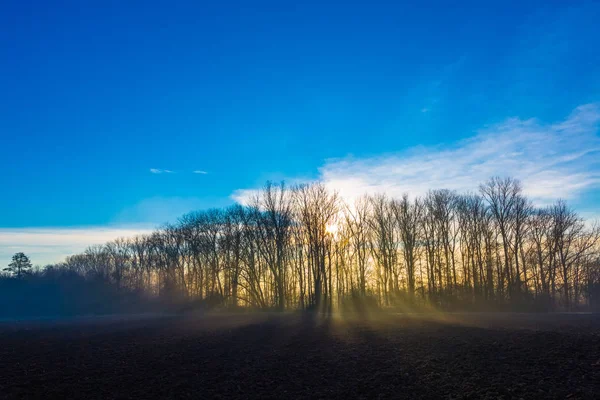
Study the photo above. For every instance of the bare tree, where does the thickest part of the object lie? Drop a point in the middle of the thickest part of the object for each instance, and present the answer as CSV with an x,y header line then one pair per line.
x,y
408,215
316,209
356,219
503,195
299,248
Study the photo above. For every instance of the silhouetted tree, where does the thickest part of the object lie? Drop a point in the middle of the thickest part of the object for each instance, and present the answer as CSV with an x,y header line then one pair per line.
x,y
20,265
300,248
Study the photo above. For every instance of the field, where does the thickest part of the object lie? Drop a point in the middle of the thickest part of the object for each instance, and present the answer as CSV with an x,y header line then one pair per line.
x,y
303,356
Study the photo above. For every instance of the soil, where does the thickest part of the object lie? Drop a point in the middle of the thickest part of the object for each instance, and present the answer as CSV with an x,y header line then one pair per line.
x,y
303,356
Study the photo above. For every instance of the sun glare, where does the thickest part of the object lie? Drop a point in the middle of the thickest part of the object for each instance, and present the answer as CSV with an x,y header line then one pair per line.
x,y
332,229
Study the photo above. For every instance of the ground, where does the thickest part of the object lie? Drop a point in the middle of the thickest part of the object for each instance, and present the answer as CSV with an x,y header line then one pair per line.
x,y
303,356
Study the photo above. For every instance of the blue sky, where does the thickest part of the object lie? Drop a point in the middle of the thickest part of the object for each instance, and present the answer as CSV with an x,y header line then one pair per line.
x,y
96,97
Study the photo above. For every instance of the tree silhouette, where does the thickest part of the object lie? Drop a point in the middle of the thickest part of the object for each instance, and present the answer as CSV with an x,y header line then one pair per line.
x,y
303,247
19,266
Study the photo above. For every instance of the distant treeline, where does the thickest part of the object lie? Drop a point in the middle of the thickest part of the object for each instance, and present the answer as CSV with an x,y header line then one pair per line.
x,y
58,292
304,248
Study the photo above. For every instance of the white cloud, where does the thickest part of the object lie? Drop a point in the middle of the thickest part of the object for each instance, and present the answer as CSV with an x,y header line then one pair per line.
x,y
161,171
200,172
244,196
50,245
553,160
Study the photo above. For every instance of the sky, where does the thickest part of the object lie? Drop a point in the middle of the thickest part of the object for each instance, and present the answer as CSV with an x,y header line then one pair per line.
x,y
116,117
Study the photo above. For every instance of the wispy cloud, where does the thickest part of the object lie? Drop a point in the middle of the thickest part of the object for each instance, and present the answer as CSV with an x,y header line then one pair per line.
x,y
168,171
244,196
553,160
50,245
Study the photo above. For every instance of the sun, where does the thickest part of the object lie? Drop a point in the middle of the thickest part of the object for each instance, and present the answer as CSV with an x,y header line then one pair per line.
x,y
331,228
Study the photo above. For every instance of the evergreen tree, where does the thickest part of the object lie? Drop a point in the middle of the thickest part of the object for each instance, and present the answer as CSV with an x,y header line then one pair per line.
x,y
19,266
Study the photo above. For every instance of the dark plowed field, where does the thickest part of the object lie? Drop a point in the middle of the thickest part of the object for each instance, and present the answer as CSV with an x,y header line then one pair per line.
x,y
298,356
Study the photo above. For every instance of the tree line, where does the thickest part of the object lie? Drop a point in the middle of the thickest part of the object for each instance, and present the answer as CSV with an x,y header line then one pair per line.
x,y
303,247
